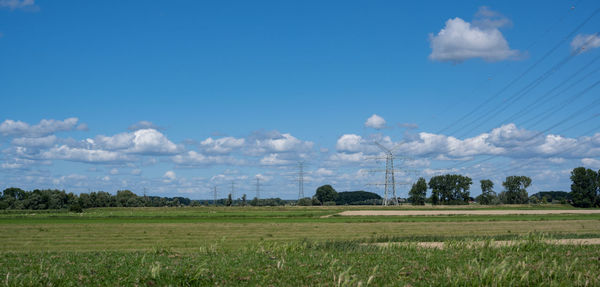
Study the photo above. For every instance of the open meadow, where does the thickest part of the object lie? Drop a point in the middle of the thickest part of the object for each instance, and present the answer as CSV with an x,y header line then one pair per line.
x,y
300,246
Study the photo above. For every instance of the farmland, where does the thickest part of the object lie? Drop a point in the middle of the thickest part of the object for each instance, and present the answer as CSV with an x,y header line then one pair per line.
x,y
297,246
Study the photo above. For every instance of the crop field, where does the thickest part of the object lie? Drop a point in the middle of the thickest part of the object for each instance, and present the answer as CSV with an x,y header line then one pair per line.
x,y
301,246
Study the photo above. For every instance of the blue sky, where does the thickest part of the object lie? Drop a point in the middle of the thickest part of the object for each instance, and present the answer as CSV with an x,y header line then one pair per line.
x,y
177,97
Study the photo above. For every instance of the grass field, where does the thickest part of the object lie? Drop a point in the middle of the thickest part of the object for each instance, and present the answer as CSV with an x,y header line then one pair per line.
x,y
293,246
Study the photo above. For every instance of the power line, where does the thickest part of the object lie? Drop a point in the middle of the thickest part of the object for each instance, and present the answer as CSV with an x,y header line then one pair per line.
x,y
523,74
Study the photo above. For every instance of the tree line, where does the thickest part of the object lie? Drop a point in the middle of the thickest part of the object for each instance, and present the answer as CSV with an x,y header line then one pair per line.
x,y
454,189
40,199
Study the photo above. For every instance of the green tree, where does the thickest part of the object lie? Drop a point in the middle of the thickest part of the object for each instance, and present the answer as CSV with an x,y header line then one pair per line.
x,y
515,190
418,192
254,201
488,195
229,201
305,201
450,189
326,193
124,197
584,187
244,200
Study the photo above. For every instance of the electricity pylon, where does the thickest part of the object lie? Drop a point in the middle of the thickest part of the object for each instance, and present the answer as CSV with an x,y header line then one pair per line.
x,y
301,180
257,187
390,182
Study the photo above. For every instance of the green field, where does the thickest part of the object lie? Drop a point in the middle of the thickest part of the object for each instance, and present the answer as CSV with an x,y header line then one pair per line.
x,y
291,246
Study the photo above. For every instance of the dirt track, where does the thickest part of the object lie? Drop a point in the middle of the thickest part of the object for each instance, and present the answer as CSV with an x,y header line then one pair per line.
x,y
464,212
499,243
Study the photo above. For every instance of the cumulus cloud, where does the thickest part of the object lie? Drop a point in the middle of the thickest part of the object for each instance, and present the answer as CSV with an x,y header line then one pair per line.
x,y
144,141
274,142
46,141
28,5
194,158
324,172
222,145
460,40
169,176
590,162
143,125
585,42
375,122
273,159
78,154
43,128
349,143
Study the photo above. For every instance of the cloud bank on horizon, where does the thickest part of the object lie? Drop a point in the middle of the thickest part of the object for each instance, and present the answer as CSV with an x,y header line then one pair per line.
x,y
130,159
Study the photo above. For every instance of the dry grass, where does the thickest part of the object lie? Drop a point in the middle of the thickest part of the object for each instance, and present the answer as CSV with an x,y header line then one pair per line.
x,y
466,212
145,236
496,243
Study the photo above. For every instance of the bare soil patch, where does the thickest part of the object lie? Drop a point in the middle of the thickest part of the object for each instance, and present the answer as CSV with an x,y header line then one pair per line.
x,y
465,212
499,243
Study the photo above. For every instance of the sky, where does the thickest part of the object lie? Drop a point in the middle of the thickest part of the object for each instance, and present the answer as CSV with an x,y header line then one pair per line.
x,y
175,98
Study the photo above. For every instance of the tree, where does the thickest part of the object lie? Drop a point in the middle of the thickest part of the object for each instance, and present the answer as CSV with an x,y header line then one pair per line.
x,y
326,193
123,198
229,200
356,197
488,195
244,200
418,192
515,190
305,201
254,201
584,187
450,189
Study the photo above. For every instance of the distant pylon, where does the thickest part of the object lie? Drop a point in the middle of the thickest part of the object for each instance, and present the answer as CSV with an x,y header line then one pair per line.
x,y
301,180
215,195
390,183
257,187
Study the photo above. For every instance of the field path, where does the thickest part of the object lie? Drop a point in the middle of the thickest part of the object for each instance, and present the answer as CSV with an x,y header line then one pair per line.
x,y
464,212
499,243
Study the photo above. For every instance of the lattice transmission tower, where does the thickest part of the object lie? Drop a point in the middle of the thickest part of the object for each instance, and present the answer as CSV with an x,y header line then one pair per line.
x,y
390,181
389,197
257,187
300,179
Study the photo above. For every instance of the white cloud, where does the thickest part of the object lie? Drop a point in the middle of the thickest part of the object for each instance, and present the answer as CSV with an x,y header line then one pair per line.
x,y
43,128
585,42
142,125
144,141
375,122
18,4
13,165
323,172
136,171
347,157
273,159
349,143
591,163
194,158
65,152
46,141
114,171
275,142
460,40
222,145
169,176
